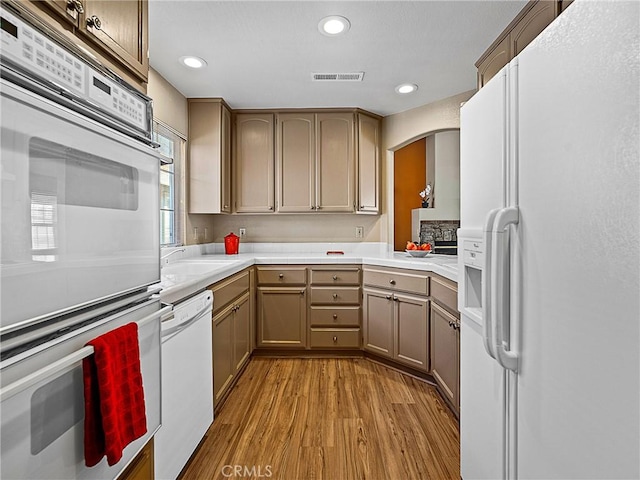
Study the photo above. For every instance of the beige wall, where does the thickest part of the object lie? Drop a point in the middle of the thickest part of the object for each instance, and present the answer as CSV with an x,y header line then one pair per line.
x,y
406,127
169,105
402,128
321,227
170,108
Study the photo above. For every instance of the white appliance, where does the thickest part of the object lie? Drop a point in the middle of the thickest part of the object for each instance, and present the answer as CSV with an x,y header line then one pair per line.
x,y
76,193
79,205
549,255
187,384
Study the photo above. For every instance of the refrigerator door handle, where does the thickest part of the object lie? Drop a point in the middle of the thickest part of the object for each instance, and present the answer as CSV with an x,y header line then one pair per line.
x,y
500,287
486,283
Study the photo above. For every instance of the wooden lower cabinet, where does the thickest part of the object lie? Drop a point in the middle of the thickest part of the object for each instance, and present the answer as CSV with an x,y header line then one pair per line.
x,y
445,353
412,334
232,327
141,467
282,317
334,338
396,327
378,313
241,332
334,307
223,367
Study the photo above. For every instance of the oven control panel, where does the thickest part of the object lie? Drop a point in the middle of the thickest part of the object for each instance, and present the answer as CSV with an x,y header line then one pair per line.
x,y
41,56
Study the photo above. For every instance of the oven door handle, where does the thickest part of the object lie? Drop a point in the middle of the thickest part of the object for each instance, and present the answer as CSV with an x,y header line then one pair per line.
x,y
65,364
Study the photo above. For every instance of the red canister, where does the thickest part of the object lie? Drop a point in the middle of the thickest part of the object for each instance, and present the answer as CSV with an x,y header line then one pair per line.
x,y
231,244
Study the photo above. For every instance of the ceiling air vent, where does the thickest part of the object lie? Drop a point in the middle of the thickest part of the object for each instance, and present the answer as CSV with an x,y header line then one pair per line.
x,y
338,77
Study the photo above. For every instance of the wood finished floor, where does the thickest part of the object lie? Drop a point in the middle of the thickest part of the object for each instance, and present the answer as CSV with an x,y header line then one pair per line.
x,y
338,419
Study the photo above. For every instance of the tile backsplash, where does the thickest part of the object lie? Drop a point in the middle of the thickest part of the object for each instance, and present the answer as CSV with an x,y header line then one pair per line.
x,y
440,230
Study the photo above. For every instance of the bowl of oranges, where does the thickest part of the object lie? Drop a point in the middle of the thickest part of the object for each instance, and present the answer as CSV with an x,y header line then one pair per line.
x,y
418,250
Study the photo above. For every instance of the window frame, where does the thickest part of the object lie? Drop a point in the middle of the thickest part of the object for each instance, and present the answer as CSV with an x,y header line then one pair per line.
x,y
179,150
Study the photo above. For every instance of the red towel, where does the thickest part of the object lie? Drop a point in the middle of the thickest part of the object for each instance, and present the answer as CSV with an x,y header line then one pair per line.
x,y
114,410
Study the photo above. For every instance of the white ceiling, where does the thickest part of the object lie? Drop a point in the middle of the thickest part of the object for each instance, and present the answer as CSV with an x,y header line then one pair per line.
x,y
261,54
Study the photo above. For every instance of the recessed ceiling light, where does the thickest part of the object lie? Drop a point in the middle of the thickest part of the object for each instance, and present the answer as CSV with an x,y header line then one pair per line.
x,y
193,62
334,25
406,88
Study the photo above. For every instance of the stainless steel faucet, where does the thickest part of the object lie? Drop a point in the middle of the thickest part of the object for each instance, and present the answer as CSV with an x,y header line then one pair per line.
x,y
163,257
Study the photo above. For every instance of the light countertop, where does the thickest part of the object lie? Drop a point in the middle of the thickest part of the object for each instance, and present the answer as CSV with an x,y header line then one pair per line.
x,y
185,276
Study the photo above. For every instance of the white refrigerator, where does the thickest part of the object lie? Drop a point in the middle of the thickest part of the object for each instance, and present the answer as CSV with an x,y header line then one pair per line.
x,y
549,255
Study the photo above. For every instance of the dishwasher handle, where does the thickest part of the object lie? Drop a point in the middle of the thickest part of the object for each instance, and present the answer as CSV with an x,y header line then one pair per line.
x,y
174,329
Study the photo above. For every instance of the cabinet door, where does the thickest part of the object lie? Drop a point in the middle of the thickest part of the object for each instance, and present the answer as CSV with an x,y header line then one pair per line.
x,y
241,329
296,162
494,61
254,163
282,317
209,160
121,28
335,162
225,161
445,362
66,9
142,466
368,164
377,311
223,367
529,27
412,338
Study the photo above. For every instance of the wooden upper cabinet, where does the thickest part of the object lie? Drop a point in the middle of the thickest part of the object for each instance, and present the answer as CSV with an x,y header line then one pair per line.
x,y
368,164
254,163
209,156
316,162
335,162
494,61
67,10
529,27
532,19
121,28
115,32
296,162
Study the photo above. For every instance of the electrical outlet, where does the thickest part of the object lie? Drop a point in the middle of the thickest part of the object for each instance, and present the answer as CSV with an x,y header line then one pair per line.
x,y
359,232
243,232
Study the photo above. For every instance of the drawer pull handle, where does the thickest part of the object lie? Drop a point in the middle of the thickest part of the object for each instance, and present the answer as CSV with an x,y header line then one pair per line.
x,y
301,292
335,316
335,296
396,299
388,297
335,277
281,275
392,282
335,339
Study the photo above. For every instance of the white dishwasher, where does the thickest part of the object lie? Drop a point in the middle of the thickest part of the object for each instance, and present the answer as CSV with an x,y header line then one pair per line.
x,y
187,384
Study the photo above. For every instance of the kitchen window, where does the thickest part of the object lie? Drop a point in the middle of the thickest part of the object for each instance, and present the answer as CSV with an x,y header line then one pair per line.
x,y
172,146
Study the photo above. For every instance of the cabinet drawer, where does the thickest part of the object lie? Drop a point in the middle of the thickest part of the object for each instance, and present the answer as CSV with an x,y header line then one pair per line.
x,y
445,292
335,338
335,276
391,279
334,316
335,295
282,276
228,290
